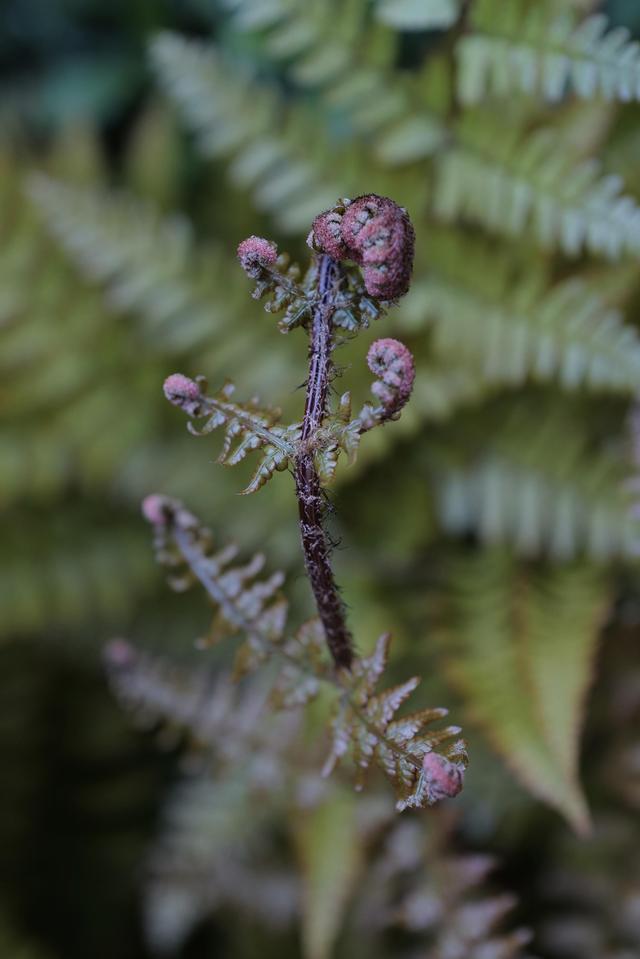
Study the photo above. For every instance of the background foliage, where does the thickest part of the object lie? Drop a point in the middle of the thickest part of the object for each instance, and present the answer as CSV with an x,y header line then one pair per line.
x,y
492,527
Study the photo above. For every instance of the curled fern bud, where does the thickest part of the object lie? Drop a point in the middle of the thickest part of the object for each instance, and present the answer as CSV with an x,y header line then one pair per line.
x,y
443,778
392,363
255,254
377,234
183,392
326,235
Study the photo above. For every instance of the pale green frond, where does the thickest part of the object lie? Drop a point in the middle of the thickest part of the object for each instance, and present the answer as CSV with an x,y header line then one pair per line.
x,y
232,116
540,49
149,264
330,854
564,333
521,649
418,14
335,49
544,494
511,184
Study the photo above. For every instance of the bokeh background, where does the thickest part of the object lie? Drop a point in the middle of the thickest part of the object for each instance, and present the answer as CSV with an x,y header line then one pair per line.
x,y
491,529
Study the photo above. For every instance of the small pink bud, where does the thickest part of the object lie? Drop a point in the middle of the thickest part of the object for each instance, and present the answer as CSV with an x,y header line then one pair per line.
x,y
183,392
443,779
255,253
155,509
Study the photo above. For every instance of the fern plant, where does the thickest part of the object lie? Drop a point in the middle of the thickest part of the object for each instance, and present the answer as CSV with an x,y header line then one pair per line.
x,y
330,302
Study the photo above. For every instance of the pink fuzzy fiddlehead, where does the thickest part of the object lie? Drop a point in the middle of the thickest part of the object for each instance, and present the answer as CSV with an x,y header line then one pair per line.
x,y
444,779
183,392
256,254
392,363
377,234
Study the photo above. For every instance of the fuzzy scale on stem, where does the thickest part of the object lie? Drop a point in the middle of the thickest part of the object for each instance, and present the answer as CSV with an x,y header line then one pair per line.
x,y
315,544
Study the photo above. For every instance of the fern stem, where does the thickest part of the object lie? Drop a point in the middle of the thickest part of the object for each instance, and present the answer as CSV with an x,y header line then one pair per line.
x,y
315,544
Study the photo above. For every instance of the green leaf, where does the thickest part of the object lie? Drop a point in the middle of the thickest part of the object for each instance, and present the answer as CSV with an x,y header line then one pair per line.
x,y
331,857
520,649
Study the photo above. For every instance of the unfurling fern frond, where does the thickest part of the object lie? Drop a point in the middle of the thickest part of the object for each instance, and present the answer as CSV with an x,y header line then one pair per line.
x,y
247,427
520,648
364,722
510,183
542,495
538,49
365,726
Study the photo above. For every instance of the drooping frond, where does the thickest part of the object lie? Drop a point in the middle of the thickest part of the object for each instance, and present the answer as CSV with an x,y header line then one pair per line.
x,y
511,183
243,604
540,491
365,726
232,116
510,326
364,723
540,49
520,648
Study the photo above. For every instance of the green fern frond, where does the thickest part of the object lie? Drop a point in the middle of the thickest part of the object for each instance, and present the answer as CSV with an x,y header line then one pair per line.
x,y
335,50
544,495
520,648
538,49
510,326
149,264
230,117
72,577
418,14
510,184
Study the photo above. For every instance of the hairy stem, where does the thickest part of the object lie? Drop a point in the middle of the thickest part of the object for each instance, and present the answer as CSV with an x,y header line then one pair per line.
x,y
315,544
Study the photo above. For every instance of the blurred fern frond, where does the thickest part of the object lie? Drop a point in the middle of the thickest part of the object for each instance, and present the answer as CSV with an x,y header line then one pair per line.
x,y
540,49
148,264
231,117
511,325
510,183
521,649
543,496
